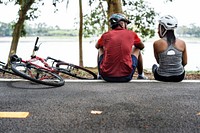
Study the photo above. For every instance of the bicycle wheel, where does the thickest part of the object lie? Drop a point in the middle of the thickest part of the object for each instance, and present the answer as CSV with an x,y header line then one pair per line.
x,y
37,75
4,69
75,71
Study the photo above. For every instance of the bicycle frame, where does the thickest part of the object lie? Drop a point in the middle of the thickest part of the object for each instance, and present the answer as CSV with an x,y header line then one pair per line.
x,y
35,58
34,61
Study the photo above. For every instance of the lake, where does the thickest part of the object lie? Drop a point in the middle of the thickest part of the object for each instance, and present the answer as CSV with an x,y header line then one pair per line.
x,y
68,50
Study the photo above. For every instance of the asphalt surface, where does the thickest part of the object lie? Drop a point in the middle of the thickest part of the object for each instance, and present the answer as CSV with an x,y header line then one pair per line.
x,y
134,107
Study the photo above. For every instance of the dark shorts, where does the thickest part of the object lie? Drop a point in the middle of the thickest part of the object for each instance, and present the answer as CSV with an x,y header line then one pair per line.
x,y
177,78
119,79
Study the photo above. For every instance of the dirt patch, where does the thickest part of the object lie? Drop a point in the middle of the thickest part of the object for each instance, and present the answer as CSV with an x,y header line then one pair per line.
x,y
188,76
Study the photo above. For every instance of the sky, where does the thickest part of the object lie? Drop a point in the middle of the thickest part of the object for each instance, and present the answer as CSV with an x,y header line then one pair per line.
x,y
186,11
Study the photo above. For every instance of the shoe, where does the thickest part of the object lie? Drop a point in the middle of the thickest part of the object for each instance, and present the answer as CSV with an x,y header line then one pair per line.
x,y
154,67
99,76
142,77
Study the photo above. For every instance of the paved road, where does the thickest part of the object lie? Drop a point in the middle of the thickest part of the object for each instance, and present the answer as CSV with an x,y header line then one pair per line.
x,y
135,107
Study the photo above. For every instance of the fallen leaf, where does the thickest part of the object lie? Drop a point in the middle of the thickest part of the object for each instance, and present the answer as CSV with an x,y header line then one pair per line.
x,y
198,113
95,112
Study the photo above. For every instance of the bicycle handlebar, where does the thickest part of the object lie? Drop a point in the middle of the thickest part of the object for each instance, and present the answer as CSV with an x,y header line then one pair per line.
x,y
36,48
15,58
36,41
2,63
55,60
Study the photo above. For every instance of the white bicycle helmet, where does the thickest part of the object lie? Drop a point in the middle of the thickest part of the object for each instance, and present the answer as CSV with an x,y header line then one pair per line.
x,y
169,22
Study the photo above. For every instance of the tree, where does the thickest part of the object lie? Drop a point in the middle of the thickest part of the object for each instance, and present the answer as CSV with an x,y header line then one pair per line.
x,y
25,6
141,15
136,10
114,6
18,27
80,34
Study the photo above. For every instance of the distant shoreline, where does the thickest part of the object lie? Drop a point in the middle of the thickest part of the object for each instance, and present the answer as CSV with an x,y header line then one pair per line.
x,y
66,38
186,39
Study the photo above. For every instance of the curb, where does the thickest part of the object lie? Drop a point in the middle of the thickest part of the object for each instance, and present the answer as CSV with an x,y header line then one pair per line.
x,y
132,81
102,81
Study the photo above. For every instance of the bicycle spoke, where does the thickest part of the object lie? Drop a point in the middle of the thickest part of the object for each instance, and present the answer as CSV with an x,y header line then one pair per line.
x,y
76,71
37,75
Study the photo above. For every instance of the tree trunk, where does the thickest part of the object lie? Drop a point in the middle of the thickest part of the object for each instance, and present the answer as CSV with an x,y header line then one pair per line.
x,y
114,6
80,34
25,6
15,37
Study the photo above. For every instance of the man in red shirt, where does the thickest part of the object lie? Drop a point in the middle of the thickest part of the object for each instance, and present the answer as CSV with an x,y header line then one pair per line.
x,y
119,52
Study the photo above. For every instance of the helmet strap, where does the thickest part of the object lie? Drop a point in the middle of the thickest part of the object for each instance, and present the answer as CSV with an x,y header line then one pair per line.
x,y
120,25
125,25
162,31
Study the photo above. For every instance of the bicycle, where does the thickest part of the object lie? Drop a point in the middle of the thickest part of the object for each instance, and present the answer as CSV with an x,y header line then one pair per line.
x,y
30,69
47,74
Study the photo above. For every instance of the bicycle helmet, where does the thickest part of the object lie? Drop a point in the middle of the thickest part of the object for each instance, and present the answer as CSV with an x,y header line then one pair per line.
x,y
169,22
116,18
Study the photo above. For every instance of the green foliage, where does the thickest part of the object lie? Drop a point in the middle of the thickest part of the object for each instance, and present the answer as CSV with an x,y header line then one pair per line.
x,y
191,31
32,14
95,23
141,15
40,29
5,29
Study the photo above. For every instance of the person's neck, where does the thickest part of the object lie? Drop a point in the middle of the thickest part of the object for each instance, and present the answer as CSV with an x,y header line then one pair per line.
x,y
119,28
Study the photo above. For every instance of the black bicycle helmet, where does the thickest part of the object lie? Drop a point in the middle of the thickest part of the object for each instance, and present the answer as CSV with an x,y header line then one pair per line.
x,y
116,18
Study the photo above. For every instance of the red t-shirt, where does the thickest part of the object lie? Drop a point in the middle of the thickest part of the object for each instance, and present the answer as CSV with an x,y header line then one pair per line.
x,y
117,45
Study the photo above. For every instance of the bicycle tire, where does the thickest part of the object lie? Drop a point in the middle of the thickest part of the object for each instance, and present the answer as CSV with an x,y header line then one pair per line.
x,y
4,69
75,71
38,75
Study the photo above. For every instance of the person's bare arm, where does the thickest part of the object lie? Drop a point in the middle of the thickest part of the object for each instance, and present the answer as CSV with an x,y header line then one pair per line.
x,y
97,45
139,45
184,62
155,52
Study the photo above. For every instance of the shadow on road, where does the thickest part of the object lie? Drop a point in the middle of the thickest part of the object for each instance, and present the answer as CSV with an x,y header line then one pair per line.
x,y
27,85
